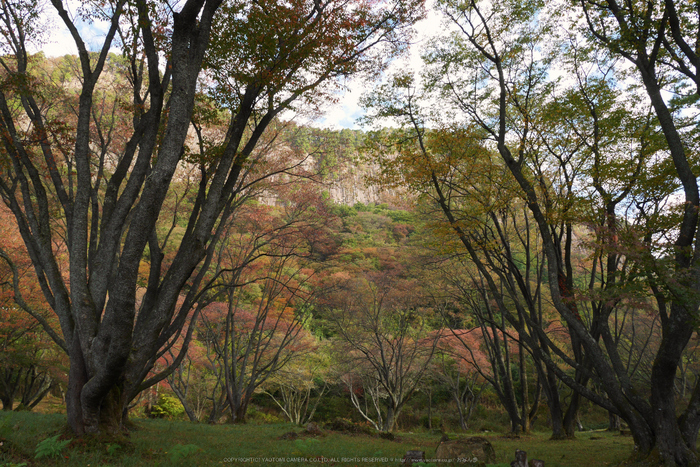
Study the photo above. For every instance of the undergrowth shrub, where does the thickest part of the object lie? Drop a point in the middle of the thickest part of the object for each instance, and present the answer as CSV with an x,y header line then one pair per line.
x,y
263,417
345,425
51,447
167,407
180,452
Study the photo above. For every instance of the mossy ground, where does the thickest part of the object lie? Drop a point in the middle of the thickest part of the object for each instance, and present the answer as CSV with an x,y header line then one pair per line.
x,y
172,443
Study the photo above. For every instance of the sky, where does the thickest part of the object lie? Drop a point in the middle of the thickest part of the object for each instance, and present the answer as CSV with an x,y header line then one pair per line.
x,y
59,41
343,114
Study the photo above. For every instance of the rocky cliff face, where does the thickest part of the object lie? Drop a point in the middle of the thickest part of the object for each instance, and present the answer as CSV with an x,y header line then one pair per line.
x,y
335,159
351,184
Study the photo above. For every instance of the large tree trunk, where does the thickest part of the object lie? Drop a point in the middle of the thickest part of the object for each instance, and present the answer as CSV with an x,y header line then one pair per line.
x,y
679,323
77,376
390,419
240,412
9,388
671,444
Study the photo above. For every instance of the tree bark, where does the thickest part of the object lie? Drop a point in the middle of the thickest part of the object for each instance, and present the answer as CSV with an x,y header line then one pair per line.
x,y
390,419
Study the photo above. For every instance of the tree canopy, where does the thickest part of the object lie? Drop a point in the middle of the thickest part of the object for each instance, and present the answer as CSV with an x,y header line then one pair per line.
x,y
91,150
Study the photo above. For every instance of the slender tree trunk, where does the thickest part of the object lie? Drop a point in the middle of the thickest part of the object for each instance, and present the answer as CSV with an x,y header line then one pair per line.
x,y
614,422
571,416
551,392
183,400
217,410
462,419
471,405
430,410
524,395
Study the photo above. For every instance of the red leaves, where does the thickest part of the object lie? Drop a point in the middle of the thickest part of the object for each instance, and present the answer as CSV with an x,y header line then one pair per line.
x,y
464,346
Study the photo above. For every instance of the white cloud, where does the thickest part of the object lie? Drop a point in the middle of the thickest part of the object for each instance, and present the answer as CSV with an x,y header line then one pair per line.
x,y
57,40
59,43
347,110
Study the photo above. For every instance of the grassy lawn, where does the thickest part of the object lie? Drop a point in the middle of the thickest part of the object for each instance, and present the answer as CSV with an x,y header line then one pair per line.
x,y
174,443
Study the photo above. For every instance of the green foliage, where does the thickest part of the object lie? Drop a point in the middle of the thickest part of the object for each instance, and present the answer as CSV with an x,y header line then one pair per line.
x,y
51,447
332,149
343,210
167,407
180,452
112,449
374,225
5,425
258,416
361,207
334,406
306,446
407,217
